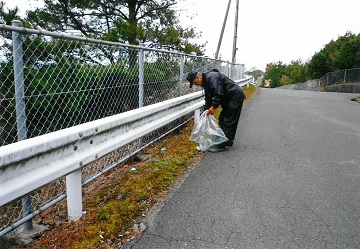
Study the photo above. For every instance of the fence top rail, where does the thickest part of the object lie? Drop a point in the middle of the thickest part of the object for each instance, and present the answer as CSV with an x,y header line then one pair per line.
x,y
24,30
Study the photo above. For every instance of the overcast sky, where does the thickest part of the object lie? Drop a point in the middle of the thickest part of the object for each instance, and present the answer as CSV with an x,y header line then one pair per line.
x,y
268,30
275,30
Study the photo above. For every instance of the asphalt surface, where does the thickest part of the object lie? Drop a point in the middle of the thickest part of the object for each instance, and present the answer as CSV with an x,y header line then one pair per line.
x,y
291,180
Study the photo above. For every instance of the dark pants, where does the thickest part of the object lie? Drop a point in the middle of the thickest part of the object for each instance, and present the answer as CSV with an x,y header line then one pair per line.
x,y
228,121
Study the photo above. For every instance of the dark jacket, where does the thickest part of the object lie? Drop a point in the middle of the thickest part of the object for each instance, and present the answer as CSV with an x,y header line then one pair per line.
x,y
220,90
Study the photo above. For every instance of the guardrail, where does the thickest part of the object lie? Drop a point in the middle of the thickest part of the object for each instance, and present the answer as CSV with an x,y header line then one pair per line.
x,y
30,164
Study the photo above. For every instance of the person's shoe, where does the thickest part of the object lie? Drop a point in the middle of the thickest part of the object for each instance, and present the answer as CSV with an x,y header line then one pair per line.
x,y
228,143
217,148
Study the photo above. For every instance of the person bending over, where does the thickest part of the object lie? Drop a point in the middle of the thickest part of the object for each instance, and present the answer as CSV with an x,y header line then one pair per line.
x,y
220,91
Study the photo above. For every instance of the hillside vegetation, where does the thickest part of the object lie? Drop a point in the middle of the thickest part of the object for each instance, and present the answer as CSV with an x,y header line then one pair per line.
x,y
343,53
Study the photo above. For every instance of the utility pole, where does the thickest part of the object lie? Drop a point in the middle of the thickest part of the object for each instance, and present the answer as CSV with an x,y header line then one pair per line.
x,y
235,35
235,32
222,31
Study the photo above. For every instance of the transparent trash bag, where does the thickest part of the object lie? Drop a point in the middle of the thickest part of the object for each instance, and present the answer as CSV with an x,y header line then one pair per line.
x,y
207,132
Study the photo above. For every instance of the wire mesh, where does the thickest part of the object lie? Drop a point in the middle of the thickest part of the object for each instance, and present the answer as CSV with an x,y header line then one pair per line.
x,y
328,81
13,212
347,76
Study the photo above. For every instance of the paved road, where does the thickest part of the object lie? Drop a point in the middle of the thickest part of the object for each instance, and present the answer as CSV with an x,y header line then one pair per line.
x,y
292,180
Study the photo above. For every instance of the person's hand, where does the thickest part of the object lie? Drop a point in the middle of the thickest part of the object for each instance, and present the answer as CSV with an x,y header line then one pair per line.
x,y
211,110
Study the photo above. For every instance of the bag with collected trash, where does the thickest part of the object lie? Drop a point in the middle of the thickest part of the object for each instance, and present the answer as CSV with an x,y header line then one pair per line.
x,y
207,132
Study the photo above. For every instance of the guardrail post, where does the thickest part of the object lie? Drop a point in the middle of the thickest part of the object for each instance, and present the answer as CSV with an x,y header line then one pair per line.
x,y
74,195
20,107
196,115
182,59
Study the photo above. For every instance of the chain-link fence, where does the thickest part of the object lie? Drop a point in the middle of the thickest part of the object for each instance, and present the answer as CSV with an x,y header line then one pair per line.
x,y
52,81
346,76
347,80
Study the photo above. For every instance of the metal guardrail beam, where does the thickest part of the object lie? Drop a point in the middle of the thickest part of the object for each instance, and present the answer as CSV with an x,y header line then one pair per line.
x,y
245,81
32,163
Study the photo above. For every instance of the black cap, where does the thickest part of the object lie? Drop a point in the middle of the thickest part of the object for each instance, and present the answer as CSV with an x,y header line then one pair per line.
x,y
191,76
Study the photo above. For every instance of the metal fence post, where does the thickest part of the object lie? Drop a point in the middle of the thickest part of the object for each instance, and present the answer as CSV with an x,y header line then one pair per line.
x,y
141,87
141,77
228,69
20,107
327,79
182,59
345,76
206,64
217,64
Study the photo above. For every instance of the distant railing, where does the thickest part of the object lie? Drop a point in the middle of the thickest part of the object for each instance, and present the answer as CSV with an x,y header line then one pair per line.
x,y
347,80
347,76
53,84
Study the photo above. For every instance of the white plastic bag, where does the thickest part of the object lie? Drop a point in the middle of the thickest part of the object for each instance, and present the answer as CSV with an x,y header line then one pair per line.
x,y
207,132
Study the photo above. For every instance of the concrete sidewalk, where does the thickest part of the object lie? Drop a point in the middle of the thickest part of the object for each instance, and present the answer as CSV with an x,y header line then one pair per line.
x,y
291,180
